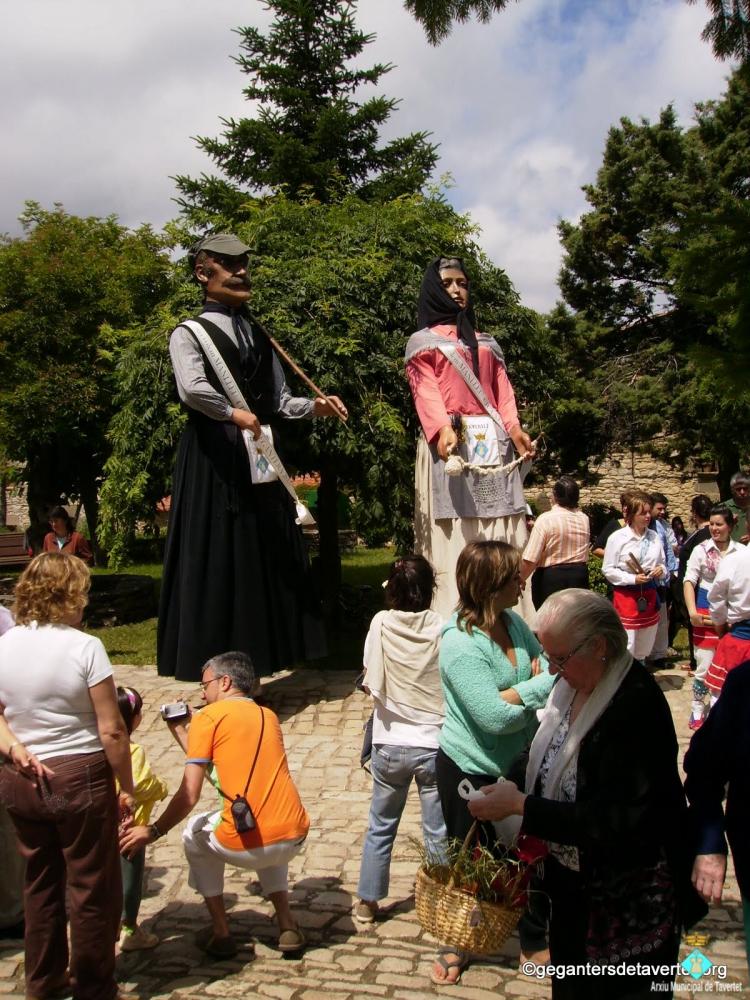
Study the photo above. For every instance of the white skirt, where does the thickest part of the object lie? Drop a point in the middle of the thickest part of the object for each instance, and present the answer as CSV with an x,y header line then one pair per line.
x,y
442,541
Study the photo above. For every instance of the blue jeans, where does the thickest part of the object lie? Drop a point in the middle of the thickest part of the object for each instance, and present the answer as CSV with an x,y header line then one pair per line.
x,y
392,771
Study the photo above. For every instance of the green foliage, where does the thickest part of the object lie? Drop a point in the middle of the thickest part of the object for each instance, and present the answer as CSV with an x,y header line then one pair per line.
x,y
437,16
133,644
597,579
616,257
65,286
142,434
309,137
728,29
657,274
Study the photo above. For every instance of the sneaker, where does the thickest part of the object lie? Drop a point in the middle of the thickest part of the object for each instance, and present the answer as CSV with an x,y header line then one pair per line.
x,y
366,911
695,723
137,939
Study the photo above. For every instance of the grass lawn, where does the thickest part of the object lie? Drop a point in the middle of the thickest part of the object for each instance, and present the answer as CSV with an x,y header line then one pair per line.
x,y
136,644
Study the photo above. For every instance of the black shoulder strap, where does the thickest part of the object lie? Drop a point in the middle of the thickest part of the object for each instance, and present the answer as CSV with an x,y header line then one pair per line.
x,y
219,789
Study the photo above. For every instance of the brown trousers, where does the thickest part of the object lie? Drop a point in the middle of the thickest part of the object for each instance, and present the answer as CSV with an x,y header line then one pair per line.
x,y
67,832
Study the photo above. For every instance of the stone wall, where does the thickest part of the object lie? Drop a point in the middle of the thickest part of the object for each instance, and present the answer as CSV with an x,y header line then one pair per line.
x,y
16,510
622,469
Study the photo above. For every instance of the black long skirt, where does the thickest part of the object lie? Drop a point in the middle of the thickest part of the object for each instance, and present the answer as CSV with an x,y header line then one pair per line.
x,y
236,573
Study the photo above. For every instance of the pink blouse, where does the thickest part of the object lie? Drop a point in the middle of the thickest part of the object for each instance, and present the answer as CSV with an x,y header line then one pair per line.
x,y
438,389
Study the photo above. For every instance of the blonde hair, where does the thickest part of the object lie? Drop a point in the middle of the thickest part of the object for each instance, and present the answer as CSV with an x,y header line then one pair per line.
x,y
482,569
53,586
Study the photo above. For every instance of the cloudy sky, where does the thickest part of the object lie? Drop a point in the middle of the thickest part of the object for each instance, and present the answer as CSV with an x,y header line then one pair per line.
x,y
102,100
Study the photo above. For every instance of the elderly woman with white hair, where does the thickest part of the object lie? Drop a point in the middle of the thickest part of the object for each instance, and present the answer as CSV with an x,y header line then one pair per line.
x,y
602,788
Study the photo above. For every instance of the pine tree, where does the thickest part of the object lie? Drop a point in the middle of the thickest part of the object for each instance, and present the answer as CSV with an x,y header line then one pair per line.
x,y
310,137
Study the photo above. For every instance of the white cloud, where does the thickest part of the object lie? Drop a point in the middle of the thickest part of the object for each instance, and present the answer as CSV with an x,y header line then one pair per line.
x,y
106,98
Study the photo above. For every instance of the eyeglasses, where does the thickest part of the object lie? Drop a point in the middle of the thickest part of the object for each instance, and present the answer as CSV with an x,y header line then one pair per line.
x,y
204,684
558,662
229,263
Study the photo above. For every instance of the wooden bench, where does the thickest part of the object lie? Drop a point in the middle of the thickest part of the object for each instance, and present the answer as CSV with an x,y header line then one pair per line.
x,y
13,550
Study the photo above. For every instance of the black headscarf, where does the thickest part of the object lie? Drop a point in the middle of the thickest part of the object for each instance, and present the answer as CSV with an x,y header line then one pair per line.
x,y
436,306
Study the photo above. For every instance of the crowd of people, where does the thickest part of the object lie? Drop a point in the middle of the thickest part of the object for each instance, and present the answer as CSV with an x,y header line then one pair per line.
x,y
532,710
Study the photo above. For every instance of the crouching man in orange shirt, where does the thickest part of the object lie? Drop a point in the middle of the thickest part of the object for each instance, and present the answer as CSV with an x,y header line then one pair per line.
x,y
260,823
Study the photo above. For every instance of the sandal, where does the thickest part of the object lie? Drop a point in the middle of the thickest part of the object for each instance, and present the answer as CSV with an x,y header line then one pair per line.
x,y
459,963
293,940
217,947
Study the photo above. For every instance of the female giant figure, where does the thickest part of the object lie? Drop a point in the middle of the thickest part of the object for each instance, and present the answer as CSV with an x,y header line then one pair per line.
x,y
451,511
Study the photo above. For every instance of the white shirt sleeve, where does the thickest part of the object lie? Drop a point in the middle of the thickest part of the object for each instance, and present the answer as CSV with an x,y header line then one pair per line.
x,y
718,595
193,387
95,662
695,565
611,562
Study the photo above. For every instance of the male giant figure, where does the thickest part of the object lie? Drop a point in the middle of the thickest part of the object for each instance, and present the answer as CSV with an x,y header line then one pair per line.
x,y
236,574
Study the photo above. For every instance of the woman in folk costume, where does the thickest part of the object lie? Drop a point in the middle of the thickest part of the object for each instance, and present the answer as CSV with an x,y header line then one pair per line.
x,y
443,359
633,562
702,567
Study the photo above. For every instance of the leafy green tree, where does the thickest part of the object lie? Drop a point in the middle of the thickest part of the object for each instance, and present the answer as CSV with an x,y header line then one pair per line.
x,y
64,286
657,270
310,137
615,269
711,269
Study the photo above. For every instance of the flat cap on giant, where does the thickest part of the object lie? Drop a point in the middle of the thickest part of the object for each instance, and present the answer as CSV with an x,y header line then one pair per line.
x,y
224,243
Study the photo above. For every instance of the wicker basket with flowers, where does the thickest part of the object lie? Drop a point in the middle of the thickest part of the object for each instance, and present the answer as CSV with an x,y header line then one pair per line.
x,y
473,898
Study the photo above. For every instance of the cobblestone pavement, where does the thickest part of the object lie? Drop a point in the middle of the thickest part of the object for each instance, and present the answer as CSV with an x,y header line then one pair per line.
x,y
322,719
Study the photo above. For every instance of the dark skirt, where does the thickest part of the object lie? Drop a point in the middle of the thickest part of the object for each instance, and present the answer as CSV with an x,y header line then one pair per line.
x,y
547,580
236,573
569,922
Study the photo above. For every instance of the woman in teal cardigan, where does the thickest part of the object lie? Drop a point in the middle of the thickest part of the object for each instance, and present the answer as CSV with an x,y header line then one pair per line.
x,y
494,679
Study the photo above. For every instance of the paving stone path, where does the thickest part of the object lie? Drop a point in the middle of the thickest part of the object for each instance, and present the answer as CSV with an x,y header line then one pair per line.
x,y
322,719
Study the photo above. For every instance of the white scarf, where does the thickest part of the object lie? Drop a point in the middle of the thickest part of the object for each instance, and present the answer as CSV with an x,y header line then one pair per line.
x,y
401,664
559,702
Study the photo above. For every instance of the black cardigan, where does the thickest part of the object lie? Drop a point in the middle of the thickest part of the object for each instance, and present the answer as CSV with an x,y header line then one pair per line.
x,y
630,804
719,757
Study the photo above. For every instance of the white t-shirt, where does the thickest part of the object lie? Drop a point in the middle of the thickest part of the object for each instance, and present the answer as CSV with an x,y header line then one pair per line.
x,y
45,675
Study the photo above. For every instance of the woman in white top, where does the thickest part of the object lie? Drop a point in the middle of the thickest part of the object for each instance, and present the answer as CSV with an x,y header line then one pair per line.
x,y
402,675
57,695
700,574
633,563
